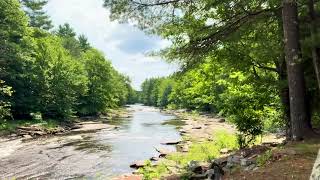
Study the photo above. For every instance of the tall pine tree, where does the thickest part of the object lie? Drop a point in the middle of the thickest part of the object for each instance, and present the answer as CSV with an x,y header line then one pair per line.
x,y
38,17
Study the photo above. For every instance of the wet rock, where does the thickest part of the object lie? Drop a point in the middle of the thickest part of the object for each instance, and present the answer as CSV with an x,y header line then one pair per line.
x,y
154,159
162,152
138,164
197,127
222,120
171,143
182,131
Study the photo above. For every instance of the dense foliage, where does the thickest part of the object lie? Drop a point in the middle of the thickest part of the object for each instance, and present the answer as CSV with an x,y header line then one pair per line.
x,y
55,74
234,61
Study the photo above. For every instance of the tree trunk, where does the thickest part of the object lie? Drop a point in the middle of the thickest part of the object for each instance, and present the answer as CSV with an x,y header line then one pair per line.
x,y
298,108
315,49
284,96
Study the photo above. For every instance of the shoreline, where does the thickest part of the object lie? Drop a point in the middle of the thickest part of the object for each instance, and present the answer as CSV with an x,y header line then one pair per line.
x,y
198,128
86,124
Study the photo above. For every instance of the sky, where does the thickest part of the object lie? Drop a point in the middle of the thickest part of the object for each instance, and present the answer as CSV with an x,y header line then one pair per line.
x,y
124,45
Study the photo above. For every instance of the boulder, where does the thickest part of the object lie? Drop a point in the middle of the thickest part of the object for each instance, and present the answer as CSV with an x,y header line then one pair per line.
x,y
222,120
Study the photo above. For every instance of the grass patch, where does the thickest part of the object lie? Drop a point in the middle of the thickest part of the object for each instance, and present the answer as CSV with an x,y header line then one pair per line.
x,y
205,151
310,149
264,158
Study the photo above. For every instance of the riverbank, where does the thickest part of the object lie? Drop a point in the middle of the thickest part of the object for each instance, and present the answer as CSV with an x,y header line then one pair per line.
x,y
28,129
101,154
205,137
270,158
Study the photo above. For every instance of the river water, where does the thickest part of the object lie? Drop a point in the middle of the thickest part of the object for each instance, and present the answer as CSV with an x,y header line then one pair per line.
x,y
100,155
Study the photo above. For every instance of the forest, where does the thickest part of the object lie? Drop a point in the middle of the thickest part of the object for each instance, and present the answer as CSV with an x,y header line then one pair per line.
x,y
247,69
52,73
255,62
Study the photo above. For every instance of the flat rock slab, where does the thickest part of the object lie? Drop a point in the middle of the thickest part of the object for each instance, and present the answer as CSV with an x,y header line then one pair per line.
x,y
90,126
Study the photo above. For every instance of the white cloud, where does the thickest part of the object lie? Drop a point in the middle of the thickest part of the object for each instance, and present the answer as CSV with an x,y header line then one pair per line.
x,y
123,44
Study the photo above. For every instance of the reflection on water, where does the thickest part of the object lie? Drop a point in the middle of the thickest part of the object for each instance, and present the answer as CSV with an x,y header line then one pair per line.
x,y
103,154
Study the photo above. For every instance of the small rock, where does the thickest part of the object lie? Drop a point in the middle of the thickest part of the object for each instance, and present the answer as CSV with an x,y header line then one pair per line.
x,y
222,162
163,152
245,162
217,172
199,176
210,173
250,167
138,164
234,159
183,131
195,167
171,143
27,136
256,168
13,135
154,159
197,127
224,151
172,177
222,120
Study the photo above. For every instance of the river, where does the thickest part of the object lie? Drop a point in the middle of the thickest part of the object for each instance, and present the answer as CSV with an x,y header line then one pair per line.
x,y
100,155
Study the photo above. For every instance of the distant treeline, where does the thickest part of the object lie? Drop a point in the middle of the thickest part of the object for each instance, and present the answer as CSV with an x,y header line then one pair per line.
x,y
53,73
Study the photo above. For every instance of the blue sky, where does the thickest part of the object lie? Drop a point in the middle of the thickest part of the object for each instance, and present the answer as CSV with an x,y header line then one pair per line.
x,y
123,44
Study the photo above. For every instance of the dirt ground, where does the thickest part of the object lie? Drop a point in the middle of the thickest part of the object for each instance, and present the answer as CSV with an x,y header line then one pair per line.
x,y
292,161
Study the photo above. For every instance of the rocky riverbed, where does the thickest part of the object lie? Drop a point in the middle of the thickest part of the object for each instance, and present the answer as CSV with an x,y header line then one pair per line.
x,y
94,149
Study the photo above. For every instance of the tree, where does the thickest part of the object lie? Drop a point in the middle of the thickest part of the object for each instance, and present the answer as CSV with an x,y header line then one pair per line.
x,y
38,17
298,103
99,96
66,32
84,44
5,92
60,79
246,35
